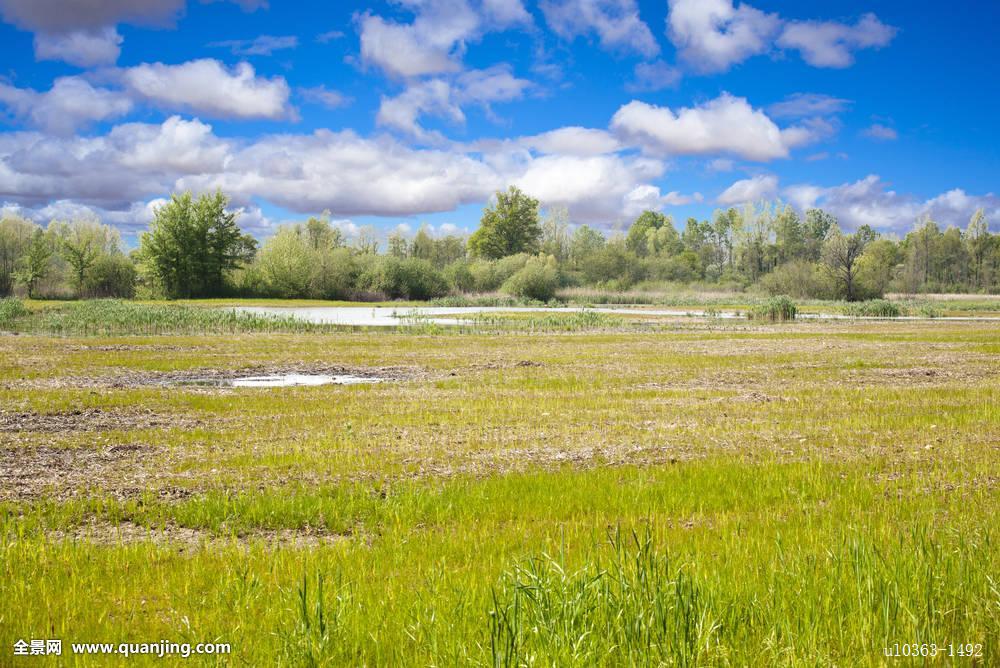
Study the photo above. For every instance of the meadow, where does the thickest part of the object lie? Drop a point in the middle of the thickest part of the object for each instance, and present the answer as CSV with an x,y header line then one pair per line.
x,y
523,490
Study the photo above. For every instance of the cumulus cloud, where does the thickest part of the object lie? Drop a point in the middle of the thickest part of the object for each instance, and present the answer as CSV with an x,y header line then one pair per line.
x,y
444,98
433,43
263,45
616,23
573,140
429,97
340,171
59,16
206,86
70,104
870,201
83,48
831,44
760,187
592,188
647,197
726,124
653,76
880,132
801,105
714,35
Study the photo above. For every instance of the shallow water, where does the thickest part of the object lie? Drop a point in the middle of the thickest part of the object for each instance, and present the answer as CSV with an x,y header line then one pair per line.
x,y
388,316
284,380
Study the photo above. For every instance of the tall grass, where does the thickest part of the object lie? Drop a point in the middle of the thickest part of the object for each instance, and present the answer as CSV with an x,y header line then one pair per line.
x,y
873,308
775,309
11,310
115,318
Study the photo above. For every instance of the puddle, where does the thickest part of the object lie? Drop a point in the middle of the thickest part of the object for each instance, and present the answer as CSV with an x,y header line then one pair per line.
x,y
282,380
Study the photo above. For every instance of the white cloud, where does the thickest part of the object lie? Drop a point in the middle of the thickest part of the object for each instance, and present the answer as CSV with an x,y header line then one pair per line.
x,y
206,86
573,140
327,97
653,76
71,103
434,42
760,187
880,132
801,105
726,124
831,44
83,48
869,201
647,197
429,97
720,165
174,146
263,45
616,23
592,188
439,97
714,35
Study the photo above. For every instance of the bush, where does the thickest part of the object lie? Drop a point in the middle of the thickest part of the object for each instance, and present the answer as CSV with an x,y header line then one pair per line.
x,y
873,308
800,279
775,309
10,310
111,276
538,279
460,276
403,279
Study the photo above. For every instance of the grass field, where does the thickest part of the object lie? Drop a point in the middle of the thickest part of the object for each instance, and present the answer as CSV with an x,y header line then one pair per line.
x,y
702,494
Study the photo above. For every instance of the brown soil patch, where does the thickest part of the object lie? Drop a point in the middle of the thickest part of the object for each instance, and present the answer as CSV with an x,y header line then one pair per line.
x,y
59,473
92,419
99,532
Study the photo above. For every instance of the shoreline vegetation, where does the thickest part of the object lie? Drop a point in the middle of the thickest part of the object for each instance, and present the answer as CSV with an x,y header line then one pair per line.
x,y
195,249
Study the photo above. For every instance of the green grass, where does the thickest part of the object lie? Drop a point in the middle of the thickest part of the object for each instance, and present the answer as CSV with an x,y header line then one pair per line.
x,y
749,495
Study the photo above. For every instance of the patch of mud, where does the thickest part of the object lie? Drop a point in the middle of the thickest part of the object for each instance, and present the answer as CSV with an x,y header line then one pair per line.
x,y
92,419
285,380
218,379
100,532
920,375
506,364
60,473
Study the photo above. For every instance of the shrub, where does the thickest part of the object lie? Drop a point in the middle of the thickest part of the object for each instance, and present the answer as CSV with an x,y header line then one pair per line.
x,y
10,310
111,276
460,276
538,279
800,279
775,309
873,308
403,279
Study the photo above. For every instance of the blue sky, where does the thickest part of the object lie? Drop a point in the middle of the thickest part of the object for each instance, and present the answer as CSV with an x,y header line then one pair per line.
x,y
413,112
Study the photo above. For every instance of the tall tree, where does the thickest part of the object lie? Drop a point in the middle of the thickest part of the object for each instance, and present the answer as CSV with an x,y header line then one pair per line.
x,y
192,244
977,236
508,227
81,243
37,262
841,255
15,237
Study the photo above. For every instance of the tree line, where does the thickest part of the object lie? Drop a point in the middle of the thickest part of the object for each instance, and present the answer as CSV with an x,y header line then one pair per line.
x,y
194,247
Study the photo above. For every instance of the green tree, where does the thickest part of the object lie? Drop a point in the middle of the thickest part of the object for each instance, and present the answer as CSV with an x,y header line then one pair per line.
x,y
37,262
817,226
652,233
508,227
585,242
841,255
81,244
16,235
555,233
977,237
192,245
